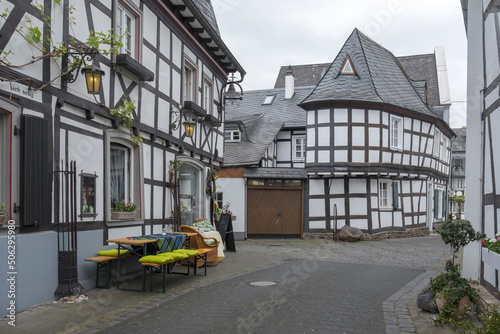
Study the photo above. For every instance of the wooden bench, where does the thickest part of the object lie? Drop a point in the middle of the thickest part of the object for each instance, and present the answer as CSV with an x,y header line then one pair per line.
x,y
102,261
202,255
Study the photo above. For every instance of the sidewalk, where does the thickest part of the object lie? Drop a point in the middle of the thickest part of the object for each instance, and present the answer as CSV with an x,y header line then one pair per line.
x,y
106,307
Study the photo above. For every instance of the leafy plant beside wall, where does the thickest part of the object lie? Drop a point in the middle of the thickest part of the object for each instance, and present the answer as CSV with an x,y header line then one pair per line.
x,y
175,166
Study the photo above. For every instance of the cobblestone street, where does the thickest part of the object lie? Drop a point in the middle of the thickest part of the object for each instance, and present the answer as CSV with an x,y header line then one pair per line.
x,y
318,287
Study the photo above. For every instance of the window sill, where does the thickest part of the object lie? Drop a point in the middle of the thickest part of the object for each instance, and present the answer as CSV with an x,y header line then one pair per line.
x,y
133,66
397,149
124,222
200,112
213,120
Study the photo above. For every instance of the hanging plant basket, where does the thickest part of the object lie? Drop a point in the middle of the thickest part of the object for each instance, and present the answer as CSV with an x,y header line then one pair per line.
x,y
117,215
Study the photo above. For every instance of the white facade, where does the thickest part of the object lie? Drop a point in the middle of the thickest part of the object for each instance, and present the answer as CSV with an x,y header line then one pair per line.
x,y
166,64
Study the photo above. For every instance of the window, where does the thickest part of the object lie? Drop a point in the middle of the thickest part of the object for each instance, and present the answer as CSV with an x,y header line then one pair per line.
x,y
457,164
189,79
388,194
207,96
128,25
437,143
119,174
123,178
88,196
269,99
10,151
298,148
190,194
219,199
439,204
232,136
396,133
347,67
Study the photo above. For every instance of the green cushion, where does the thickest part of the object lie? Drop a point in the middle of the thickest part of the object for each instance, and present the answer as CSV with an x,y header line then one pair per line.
x,y
155,259
112,252
176,256
210,242
189,252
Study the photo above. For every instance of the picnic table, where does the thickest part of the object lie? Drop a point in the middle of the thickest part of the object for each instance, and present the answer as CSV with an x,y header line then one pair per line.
x,y
147,244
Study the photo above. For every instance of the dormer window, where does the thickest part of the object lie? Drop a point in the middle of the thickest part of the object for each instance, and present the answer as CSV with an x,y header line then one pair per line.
x,y
347,67
232,136
269,99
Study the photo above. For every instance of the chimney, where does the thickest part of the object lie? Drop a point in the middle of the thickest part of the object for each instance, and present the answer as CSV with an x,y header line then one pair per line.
x,y
289,83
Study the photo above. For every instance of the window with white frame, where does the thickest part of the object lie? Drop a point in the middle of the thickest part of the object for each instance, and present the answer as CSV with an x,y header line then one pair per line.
x,y
127,24
388,194
119,173
298,148
123,179
396,133
437,143
232,135
189,81
208,96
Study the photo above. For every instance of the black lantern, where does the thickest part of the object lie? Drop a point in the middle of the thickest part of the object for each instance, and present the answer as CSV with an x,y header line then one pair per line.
x,y
189,127
93,76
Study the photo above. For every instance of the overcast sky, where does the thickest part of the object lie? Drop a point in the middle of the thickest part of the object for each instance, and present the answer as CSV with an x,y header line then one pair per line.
x,y
267,34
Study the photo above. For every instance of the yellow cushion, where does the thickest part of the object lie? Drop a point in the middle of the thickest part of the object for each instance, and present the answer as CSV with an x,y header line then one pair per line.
x,y
155,259
112,252
175,256
189,252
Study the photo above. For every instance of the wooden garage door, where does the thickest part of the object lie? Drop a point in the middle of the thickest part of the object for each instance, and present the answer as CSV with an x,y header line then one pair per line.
x,y
274,213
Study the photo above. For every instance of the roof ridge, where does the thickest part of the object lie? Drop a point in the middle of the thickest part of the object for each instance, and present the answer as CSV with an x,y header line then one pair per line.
x,y
372,82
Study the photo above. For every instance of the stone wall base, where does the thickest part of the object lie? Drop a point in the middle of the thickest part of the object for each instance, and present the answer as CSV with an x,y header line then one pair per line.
x,y
410,233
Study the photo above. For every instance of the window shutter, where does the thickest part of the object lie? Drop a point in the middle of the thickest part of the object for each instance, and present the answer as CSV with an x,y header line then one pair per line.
x,y
395,195
36,177
436,203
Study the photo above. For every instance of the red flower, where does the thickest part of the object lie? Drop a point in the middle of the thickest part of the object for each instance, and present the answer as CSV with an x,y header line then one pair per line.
x,y
483,242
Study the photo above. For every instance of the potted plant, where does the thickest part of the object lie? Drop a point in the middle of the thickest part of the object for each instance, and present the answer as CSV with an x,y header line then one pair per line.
x,y
123,210
3,213
453,292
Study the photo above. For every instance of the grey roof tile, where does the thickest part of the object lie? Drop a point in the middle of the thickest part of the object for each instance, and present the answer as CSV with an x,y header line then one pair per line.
x,y
205,7
423,68
275,173
261,123
379,78
305,75
458,144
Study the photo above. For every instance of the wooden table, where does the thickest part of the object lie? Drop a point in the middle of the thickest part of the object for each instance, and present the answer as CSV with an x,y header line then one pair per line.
x,y
130,242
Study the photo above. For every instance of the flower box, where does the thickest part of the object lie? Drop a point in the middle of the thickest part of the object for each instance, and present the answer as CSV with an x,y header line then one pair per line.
x,y
117,215
491,264
3,218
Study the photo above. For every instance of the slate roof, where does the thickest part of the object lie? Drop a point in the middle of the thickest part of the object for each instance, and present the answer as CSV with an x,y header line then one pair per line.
x,y
261,123
379,78
305,75
205,7
458,144
423,68
275,173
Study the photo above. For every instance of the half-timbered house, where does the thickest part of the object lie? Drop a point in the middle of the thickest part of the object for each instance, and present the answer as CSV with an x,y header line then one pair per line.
x,y
482,203
357,141
173,65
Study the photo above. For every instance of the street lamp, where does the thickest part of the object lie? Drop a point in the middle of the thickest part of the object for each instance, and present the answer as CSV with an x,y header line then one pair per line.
x,y
93,76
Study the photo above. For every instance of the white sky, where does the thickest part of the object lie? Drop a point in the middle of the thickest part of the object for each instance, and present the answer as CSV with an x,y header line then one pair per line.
x,y
267,34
